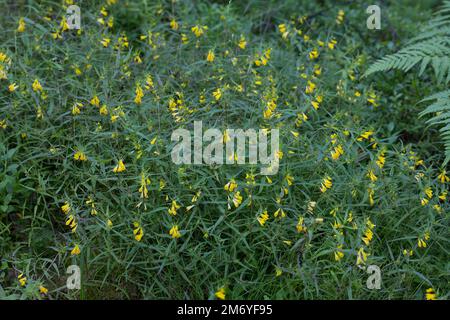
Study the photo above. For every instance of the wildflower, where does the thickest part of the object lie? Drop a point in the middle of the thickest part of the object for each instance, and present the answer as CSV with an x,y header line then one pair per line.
x,y
184,38
338,254
103,110
12,87
280,212
21,27
314,54
263,218
139,95
242,43
37,86
148,82
174,24
381,160
408,253
443,196
371,193
278,272
143,189
174,232
199,30
174,207
95,101
429,192
220,294
332,44
372,176
326,184
217,94
340,17
109,223
138,231
430,294
237,199
210,57
90,202
3,124
65,208
365,135
289,179
75,251
362,256
79,156
310,87
72,223
443,178
422,242
368,235
337,152
22,280
76,109
105,42
301,225
43,290
119,167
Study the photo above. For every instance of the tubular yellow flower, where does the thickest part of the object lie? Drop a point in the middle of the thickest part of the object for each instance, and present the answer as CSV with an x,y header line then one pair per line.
x,y
43,290
326,184
22,280
174,232
174,207
430,294
79,156
220,294
65,208
21,27
362,256
338,254
138,232
139,95
174,24
120,167
37,86
217,94
371,175
210,57
12,87
263,217
242,43
75,251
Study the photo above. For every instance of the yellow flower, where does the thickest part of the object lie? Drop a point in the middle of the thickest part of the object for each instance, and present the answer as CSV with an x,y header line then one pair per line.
x,y
103,110
119,167
105,42
362,256
326,184
443,177
289,179
174,207
430,294
79,156
199,30
109,223
43,290
210,57
220,294
12,87
340,17
22,280
75,251
72,223
365,135
37,86
139,95
217,94
301,225
337,152
174,24
332,44
143,189
429,192
174,232
237,199
242,43
280,212
381,160
310,87
372,176
3,124
263,218
138,231
65,208
338,254
76,109
314,54
21,27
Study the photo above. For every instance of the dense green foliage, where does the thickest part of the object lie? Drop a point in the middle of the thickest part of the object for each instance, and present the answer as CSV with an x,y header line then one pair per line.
x,y
360,181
